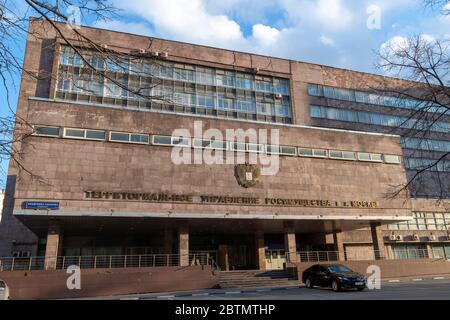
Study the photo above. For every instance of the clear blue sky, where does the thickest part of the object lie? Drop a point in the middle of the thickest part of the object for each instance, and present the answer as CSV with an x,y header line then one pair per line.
x,y
330,32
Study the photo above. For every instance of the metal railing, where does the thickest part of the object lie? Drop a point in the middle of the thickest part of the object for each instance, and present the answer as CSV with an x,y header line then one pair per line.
x,y
17,264
200,258
397,254
111,261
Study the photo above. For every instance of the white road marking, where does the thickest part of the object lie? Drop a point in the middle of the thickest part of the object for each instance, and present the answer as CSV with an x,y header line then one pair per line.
x,y
438,278
394,281
417,279
165,297
232,292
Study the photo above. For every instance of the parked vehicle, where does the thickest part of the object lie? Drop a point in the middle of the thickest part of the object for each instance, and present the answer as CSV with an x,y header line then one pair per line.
x,y
4,291
336,276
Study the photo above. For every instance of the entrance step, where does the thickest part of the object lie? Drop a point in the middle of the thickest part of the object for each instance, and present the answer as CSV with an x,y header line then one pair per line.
x,y
255,278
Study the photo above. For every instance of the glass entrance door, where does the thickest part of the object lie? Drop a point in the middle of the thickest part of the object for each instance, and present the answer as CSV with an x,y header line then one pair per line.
x,y
275,259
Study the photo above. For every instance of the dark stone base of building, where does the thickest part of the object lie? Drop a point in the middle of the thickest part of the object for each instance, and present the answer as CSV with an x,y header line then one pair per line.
x,y
40,284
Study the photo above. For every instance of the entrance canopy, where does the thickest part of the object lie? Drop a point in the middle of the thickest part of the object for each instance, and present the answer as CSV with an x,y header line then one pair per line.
x,y
122,226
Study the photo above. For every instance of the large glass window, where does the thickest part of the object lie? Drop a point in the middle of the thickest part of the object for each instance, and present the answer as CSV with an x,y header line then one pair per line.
x,y
375,118
46,131
284,150
281,86
390,158
129,137
347,155
162,70
265,108
244,81
205,76
426,144
364,156
84,134
409,251
225,79
428,164
185,74
225,103
147,83
370,98
245,105
424,221
264,84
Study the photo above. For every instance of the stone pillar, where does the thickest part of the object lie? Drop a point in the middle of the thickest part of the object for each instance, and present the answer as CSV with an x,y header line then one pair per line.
x,y
260,250
290,243
329,239
224,262
183,245
377,240
430,251
338,238
54,245
168,241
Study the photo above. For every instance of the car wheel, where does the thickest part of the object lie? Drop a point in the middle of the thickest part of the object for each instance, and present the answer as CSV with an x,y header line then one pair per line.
x,y
308,283
335,286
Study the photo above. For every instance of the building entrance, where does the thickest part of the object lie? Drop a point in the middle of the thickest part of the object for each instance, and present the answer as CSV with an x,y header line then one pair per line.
x,y
239,257
275,259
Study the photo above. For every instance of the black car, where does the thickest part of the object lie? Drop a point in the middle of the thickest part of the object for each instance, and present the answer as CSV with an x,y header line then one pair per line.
x,y
335,276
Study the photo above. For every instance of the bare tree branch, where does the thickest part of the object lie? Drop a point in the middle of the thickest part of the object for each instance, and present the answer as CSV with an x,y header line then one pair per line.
x,y
425,63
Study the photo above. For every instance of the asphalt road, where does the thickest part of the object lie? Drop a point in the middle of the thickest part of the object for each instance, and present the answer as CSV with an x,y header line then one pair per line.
x,y
427,289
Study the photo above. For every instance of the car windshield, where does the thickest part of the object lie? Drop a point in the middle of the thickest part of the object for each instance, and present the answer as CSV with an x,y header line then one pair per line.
x,y
2,284
339,269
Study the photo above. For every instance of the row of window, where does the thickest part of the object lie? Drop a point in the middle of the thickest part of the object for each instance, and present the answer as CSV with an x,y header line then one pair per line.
x,y
88,134
424,221
410,251
101,135
176,71
158,85
165,94
426,144
377,119
371,98
427,164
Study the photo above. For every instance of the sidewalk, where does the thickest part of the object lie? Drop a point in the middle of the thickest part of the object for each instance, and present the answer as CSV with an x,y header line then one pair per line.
x,y
206,292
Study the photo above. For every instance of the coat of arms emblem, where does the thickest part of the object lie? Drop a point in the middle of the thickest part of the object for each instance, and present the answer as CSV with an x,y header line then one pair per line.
x,y
247,174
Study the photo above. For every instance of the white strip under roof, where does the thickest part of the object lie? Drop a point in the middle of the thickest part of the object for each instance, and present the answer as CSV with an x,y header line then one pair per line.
x,y
193,215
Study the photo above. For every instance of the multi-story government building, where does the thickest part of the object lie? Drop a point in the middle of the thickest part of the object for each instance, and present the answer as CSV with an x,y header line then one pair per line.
x,y
117,157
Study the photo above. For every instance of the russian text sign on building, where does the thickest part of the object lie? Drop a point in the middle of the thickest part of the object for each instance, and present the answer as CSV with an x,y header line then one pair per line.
x,y
41,205
222,199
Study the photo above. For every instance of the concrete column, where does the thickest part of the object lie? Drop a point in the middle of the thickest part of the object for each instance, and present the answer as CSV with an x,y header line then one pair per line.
x,y
338,238
168,241
430,251
183,245
54,245
329,239
224,262
290,243
377,240
260,250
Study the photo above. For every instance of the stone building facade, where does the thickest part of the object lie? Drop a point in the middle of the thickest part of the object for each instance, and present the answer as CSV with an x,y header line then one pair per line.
x,y
104,159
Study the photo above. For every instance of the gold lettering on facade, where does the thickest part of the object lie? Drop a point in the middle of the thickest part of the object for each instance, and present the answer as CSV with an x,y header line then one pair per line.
x,y
137,196
233,200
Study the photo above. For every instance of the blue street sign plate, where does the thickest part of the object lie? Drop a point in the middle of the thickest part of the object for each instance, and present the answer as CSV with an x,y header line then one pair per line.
x,y
43,205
